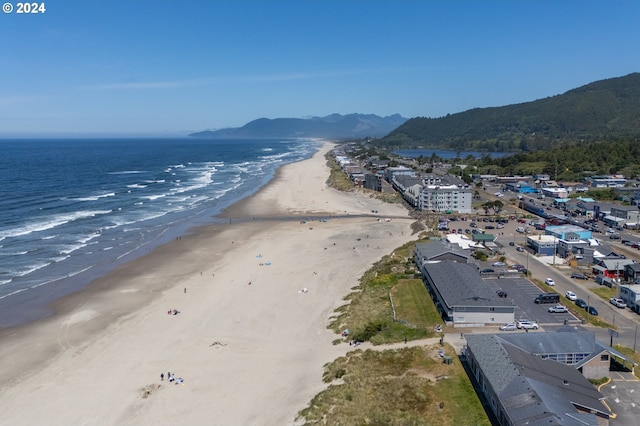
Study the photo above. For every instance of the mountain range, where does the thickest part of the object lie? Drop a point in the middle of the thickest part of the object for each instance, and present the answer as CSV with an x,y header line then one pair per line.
x,y
334,126
600,110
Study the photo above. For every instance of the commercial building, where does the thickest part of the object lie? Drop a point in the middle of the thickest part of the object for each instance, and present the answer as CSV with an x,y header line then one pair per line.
x,y
462,297
544,245
541,378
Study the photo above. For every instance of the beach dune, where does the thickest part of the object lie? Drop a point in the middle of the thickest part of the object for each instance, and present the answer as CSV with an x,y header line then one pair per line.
x,y
249,337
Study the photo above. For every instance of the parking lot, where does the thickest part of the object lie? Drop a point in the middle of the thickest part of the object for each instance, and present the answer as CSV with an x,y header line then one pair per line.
x,y
523,293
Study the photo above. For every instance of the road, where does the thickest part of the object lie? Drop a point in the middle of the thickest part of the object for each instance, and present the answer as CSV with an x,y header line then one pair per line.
x,y
625,321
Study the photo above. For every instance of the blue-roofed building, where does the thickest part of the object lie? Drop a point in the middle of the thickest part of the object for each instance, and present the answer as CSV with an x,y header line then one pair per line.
x,y
561,231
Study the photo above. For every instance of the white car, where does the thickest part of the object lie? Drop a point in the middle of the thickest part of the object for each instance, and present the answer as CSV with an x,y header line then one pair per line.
x,y
571,296
508,327
558,309
619,303
527,325
499,264
549,281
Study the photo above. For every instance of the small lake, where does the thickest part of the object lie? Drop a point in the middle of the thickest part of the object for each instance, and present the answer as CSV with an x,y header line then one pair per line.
x,y
447,155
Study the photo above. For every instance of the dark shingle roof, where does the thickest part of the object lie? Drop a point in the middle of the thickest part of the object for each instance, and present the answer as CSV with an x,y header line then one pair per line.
x,y
533,390
459,284
435,249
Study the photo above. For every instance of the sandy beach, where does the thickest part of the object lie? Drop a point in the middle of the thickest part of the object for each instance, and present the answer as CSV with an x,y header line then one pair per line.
x,y
250,339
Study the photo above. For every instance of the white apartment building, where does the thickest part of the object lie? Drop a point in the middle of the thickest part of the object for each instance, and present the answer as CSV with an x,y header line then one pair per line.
x,y
443,198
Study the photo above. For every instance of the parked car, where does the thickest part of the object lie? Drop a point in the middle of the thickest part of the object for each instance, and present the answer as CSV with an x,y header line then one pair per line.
x,y
580,303
579,276
571,295
527,325
499,264
618,303
614,236
558,309
501,293
487,271
511,243
549,281
591,310
517,267
508,327
519,248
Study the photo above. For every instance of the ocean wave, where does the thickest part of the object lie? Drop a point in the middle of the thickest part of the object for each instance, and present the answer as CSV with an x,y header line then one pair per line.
x,y
95,197
14,293
137,185
88,238
46,223
70,249
17,253
127,172
153,197
275,157
31,268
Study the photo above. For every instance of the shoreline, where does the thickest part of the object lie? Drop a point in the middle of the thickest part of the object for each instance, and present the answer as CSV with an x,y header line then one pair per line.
x,y
246,332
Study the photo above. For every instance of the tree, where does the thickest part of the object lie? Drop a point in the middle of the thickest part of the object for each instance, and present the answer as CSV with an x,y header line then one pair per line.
x,y
497,206
487,206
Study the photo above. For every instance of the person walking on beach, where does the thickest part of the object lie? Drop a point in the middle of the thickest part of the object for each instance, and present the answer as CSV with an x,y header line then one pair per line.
x,y
161,376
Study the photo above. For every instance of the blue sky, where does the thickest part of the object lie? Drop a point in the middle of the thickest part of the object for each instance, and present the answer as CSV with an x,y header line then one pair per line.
x,y
169,67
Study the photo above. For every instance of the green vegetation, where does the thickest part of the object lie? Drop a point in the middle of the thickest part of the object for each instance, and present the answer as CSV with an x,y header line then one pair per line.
x,y
369,316
576,162
411,386
605,293
413,304
600,381
607,108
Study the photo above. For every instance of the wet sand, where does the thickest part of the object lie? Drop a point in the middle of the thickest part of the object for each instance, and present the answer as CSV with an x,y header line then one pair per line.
x,y
255,297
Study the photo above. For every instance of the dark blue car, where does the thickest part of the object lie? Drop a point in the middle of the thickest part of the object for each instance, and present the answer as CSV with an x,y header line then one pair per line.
x,y
591,310
581,303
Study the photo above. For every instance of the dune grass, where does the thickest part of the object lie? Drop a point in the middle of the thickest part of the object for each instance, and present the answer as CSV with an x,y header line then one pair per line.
x,y
368,314
410,386
407,386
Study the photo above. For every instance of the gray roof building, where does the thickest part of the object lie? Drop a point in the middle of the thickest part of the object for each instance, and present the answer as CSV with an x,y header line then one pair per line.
x,y
523,388
462,297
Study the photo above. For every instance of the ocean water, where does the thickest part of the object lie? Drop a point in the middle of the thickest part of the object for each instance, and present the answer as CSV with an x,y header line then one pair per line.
x,y
79,207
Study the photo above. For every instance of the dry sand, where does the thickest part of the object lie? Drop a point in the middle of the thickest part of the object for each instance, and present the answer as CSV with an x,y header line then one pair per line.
x,y
248,341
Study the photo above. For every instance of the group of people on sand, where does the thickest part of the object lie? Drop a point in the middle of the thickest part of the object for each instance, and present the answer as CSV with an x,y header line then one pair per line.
x,y
171,378
173,312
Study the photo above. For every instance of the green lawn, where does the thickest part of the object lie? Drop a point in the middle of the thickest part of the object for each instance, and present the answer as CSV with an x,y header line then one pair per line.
x,y
414,305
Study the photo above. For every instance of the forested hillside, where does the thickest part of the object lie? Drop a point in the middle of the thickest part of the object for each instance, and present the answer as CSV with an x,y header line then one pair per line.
x,y
603,109
572,163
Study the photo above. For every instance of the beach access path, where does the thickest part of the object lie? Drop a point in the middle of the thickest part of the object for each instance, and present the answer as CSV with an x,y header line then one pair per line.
x,y
250,339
